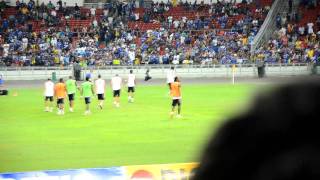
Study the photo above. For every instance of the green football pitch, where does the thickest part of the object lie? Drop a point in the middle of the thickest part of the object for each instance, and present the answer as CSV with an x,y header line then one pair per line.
x,y
136,133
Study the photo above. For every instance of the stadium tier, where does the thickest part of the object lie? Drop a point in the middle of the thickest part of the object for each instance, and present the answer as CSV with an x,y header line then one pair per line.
x,y
45,35
121,33
296,38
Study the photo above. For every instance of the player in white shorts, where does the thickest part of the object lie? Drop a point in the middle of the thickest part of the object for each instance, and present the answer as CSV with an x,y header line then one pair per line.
x,y
100,85
116,83
48,93
131,86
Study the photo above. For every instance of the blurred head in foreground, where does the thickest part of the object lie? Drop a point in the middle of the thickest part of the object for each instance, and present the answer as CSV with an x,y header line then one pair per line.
x,y
277,139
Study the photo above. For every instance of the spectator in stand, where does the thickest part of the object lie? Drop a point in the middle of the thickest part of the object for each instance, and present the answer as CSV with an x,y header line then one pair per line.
x,y
5,24
3,5
76,7
31,5
18,4
92,11
50,5
310,27
59,3
290,4
155,46
53,13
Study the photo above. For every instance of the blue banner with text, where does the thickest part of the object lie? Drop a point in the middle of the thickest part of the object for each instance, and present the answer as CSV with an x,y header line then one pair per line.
x,y
116,173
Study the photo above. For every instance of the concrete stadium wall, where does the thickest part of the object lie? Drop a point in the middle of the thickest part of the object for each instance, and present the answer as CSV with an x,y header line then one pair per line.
x,y
160,72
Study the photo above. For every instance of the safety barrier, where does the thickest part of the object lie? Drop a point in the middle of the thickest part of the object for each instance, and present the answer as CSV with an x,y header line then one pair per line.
x,y
157,71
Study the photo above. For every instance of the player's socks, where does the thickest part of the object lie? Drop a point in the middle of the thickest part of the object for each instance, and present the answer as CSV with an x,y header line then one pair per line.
x,y
87,112
179,116
132,100
59,112
50,109
47,109
117,105
62,112
71,109
171,114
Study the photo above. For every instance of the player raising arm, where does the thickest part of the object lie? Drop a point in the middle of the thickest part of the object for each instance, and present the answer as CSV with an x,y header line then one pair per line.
x,y
131,86
116,83
60,92
48,93
87,91
175,91
100,85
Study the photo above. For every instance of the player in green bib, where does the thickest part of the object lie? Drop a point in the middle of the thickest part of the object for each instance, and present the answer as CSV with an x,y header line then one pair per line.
x,y
71,86
87,91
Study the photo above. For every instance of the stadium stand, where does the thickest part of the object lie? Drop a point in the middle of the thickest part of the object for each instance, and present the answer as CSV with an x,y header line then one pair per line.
x,y
49,35
297,37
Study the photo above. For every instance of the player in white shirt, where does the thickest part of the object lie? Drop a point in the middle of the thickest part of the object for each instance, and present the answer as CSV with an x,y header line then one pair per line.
x,y
100,85
131,84
48,93
116,83
170,76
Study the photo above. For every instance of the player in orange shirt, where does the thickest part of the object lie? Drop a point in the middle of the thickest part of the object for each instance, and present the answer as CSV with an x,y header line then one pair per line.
x,y
175,92
60,92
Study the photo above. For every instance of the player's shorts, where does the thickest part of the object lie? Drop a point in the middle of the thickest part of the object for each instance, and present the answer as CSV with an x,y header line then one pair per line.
x,y
50,98
87,100
176,102
100,96
116,93
71,97
130,89
60,101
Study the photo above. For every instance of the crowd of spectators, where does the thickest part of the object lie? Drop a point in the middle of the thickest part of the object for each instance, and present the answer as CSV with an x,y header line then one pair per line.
x,y
108,40
293,42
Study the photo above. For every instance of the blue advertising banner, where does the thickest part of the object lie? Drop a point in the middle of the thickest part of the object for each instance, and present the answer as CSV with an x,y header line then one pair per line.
x,y
116,173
